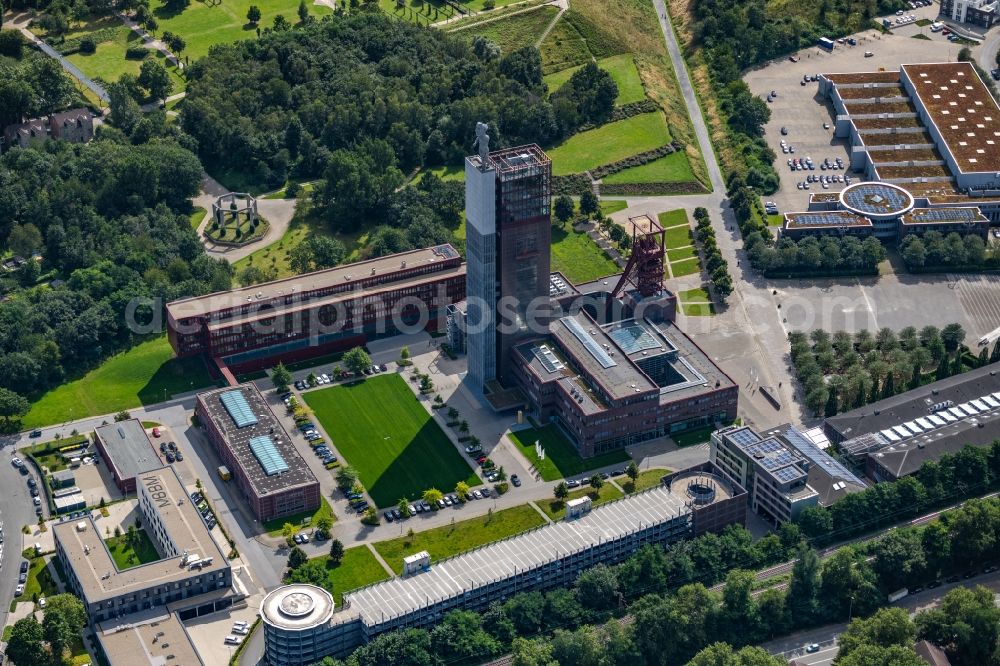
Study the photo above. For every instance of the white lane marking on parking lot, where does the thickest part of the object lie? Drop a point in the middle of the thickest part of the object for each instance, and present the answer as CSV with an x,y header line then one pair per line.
x,y
871,308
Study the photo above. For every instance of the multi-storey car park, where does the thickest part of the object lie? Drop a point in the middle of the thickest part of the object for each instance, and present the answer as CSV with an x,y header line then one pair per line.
x,y
252,443
191,578
893,437
927,139
302,624
306,315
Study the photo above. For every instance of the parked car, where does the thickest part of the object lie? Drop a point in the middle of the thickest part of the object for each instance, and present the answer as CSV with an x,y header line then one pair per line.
x,y
171,457
35,434
17,462
388,516
516,481
156,432
19,590
573,483
179,456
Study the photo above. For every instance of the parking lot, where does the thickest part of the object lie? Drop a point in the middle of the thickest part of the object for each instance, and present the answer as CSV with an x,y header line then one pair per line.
x,y
800,110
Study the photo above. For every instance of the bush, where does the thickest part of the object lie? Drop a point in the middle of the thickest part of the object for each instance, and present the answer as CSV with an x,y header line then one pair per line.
x,y
137,53
489,4
88,45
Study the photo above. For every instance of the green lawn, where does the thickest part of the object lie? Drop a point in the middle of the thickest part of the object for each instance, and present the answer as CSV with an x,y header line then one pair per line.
x,y
358,568
698,309
647,479
273,527
697,295
556,509
445,173
108,62
578,257
775,220
673,168
47,455
204,24
621,68
609,206
142,375
127,556
197,215
609,143
41,580
398,450
681,254
692,437
513,32
685,267
561,459
673,218
461,536
679,236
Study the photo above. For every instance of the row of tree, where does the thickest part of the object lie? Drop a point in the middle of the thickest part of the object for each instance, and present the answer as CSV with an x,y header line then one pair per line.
x,y
933,250
722,281
843,371
833,254
674,615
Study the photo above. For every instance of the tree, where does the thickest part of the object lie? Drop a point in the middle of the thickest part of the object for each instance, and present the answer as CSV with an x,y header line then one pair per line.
x,y
281,377
26,642
323,527
288,531
175,42
966,625
125,112
815,522
803,590
281,24
460,637
404,355
597,587
24,239
122,416
590,205
12,408
296,558
563,208
596,482
346,476
154,78
887,627
632,471
65,617
432,496
370,516
722,654
952,336
336,552
403,506
357,360
303,11
253,14
462,490
561,491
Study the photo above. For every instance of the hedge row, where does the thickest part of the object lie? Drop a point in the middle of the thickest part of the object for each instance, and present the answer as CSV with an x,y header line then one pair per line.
x,y
573,184
624,113
635,160
654,189
72,45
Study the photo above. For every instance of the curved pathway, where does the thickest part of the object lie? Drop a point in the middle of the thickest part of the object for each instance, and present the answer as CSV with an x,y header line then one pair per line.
x,y
20,22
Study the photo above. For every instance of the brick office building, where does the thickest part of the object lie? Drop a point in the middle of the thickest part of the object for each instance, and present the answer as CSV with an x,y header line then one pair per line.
x,y
305,315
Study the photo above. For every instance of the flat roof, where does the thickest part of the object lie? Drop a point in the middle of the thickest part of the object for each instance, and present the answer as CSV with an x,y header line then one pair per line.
x,y
329,277
825,220
959,104
241,442
129,448
863,77
964,215
297,607
94,567
154,637
450,578
876,199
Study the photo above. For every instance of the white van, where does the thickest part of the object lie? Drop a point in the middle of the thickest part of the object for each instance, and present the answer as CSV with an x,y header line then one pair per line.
x,y
937,27
232,640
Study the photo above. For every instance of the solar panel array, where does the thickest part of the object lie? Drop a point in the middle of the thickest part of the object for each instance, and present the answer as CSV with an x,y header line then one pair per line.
x,y
817,456
743,437
634,338
925,215
891,199
238,408
267,455
789,474
830,219
598,352
548,359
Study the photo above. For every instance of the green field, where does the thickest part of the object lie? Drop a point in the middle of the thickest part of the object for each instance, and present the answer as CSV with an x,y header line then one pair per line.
x,y
679,237
672,218
41,580
127,556
556,509
513,32
108,62
144,375
609,143
461,536
578,257
682,253
697,295
274,527
673,168
197,215
647,479
381,430
609,206
445,173
698,309
358,568
204,24
685,267
775,220
561,459
621,68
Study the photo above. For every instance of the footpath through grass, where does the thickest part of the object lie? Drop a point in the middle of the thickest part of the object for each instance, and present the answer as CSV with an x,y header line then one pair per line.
x,y
381,429
513,32
609,143
561,459
578,257
144,375
126,555
461,536
556,509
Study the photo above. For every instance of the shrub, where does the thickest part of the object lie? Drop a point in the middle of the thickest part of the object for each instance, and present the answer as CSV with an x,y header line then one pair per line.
x,y
87,45
136,53
489,4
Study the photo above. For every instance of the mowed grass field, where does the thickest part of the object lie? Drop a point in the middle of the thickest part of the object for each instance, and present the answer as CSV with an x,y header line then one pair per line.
x,y
204,24
459,537
578,257
621,68
685,267
561,459
672,168
382,431
515,31
108,61
609,143
358,568
142,375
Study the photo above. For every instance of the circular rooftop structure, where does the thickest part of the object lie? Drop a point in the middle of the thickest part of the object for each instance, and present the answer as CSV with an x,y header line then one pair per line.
x,y
297,607
877,201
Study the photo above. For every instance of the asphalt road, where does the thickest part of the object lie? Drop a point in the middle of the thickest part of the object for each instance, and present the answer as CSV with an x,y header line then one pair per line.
x,y
16,509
